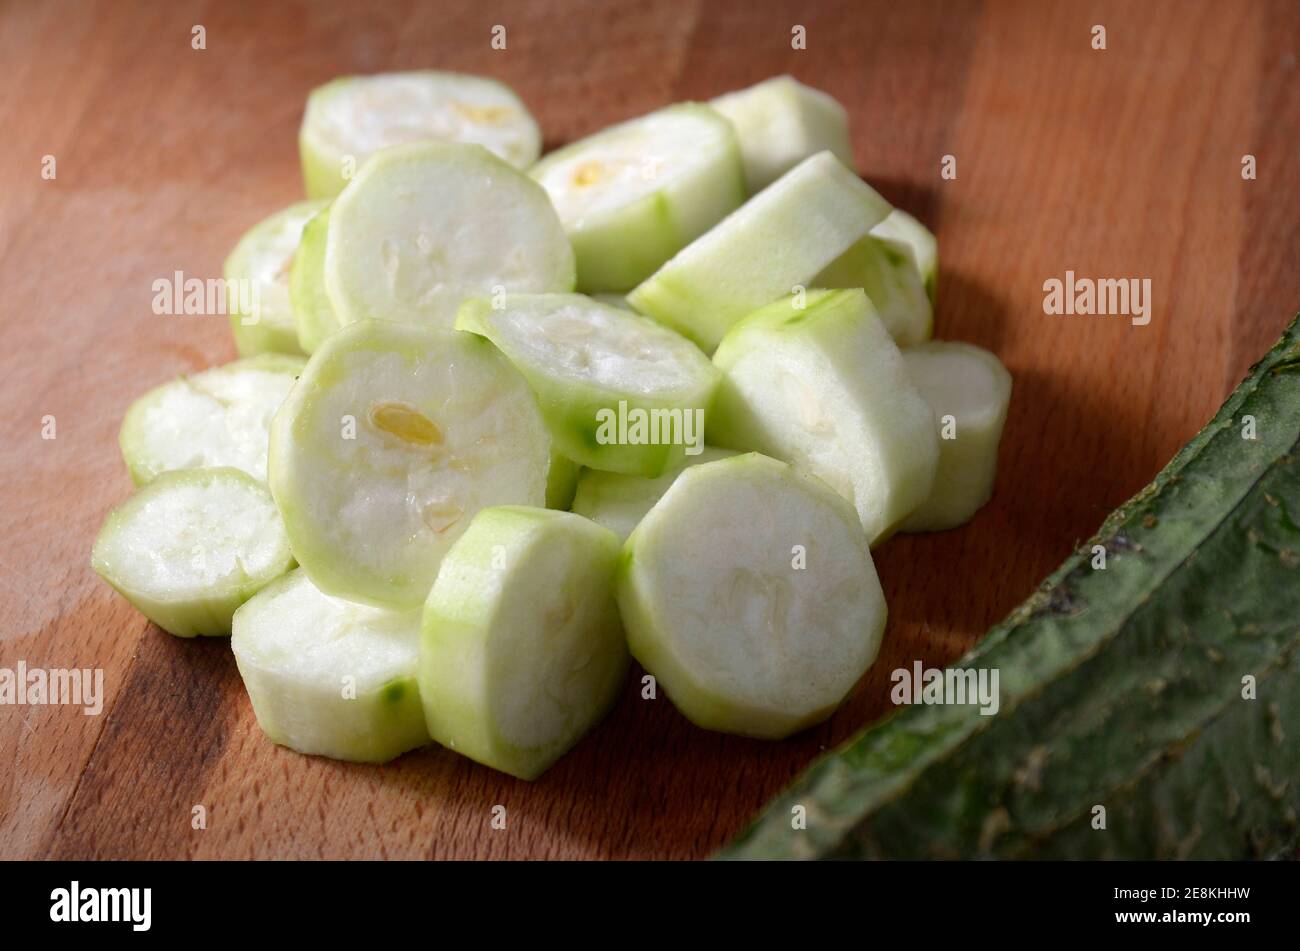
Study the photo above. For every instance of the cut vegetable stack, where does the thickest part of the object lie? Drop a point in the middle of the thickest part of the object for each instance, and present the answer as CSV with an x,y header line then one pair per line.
x,y
457,395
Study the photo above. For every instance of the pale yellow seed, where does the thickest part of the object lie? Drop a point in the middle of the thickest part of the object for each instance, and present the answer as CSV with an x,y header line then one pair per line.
x,y
405,422
588,173
487,115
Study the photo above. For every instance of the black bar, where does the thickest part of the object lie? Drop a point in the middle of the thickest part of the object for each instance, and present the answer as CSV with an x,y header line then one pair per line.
x,y
386,902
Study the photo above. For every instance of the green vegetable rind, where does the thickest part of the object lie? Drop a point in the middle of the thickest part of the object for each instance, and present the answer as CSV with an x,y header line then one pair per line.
x,y
900,226
1120,687
561,482
312,314
886,270
272,329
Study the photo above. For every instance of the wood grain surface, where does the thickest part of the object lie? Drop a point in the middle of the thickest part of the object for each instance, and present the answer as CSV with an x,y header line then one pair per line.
x,y
1117,163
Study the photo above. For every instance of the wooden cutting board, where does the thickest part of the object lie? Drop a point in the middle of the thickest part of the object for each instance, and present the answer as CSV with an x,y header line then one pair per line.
x,y
1116,163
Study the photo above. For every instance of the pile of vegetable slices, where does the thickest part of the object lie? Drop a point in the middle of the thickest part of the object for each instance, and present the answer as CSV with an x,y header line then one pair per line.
x,y
459,477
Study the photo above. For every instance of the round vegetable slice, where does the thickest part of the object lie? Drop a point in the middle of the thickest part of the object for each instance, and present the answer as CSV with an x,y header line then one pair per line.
x,y
824,387
522,651
748,591
781,238
329,677
191,547
633,195
423,227
969,390
219,417
900,226
619,502
393,438
313,316
780,122
885,269
619,391
349,119
264,257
